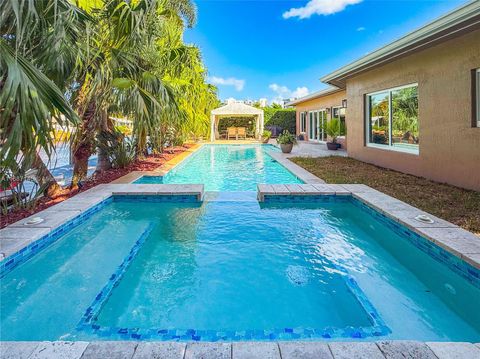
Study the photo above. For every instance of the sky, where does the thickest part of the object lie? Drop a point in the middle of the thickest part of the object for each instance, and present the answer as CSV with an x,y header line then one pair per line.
x,y
278,49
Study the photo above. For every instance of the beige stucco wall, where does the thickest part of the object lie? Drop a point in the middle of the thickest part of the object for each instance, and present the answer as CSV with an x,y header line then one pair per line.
x,y
449,145
328,101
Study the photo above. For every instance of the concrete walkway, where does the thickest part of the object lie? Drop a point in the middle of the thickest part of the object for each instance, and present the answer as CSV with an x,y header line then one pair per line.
x,y
238,350
310,149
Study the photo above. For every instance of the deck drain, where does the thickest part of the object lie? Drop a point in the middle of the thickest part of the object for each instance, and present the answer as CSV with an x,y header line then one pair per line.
x,y
34,220
424,218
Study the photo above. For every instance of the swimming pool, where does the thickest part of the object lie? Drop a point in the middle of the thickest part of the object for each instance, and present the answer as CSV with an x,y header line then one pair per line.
x,y
156,268
228,168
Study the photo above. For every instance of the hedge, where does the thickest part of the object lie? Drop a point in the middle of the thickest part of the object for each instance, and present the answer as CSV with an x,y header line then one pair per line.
x,y
284,118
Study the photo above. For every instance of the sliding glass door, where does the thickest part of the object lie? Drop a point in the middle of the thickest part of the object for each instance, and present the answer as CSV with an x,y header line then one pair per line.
x,y
317,119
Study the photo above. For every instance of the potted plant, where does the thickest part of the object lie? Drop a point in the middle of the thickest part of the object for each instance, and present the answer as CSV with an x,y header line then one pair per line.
x,y
266,136
286,141
332,129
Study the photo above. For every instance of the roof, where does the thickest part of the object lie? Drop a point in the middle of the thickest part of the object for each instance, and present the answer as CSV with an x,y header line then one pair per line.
x,y
455,23
328,91
237,108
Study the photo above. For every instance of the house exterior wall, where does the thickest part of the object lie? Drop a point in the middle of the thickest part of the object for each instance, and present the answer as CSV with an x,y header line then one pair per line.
x,y
328,101
449,146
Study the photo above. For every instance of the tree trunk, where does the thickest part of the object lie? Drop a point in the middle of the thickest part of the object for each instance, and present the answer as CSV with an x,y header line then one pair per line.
x,y
83,144
44,177
106,127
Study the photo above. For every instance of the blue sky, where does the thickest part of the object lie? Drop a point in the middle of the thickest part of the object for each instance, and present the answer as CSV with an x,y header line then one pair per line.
x,y
263,49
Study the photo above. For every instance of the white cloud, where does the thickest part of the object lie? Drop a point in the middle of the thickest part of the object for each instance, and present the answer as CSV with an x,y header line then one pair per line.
x,y
319,7
300,92
361,28
230,81
283,92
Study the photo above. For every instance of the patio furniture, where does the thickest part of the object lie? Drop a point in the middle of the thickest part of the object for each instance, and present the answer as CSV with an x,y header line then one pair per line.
x,y
232,132
241,133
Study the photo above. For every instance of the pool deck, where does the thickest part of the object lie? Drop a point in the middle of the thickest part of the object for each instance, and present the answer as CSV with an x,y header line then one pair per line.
x,y
238,350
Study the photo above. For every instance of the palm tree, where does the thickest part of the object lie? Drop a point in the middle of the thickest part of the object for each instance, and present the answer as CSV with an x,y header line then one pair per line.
x,y
37,47
113,75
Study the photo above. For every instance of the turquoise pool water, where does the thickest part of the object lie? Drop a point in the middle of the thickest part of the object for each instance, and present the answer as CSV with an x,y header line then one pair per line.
x,y
228,168
236,271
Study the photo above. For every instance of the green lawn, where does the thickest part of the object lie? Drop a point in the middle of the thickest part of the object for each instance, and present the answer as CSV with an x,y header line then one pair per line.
x,y
456,205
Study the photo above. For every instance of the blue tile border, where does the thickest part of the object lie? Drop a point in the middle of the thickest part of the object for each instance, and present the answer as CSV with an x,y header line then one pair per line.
x,y
89,321
156,198
454,263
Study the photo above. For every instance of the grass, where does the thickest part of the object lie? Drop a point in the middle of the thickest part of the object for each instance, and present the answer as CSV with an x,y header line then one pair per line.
x,y
456,205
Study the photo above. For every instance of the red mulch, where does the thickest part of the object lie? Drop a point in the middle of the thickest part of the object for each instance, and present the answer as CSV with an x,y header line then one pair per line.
x,y
145,164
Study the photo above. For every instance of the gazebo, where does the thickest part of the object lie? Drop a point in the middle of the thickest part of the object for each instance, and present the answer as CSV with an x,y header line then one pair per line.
x,y
235,109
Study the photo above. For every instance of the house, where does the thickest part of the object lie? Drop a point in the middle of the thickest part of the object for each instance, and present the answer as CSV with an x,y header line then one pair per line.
x,y
314,110
414,105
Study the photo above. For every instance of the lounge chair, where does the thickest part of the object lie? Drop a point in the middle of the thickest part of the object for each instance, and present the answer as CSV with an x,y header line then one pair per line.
x,y
232,132
241,133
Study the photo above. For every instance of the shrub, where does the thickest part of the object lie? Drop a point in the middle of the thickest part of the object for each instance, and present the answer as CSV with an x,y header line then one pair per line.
x,y
286,138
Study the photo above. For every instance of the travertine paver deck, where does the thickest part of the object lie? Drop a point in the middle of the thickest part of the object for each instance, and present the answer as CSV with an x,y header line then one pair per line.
x,y
310,149
249,350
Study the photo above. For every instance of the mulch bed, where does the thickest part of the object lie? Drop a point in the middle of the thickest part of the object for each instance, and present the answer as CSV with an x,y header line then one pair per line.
x,y
149,163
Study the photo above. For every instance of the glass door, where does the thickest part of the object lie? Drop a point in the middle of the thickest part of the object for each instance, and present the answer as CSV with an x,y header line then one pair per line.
x,y
322,136
315,127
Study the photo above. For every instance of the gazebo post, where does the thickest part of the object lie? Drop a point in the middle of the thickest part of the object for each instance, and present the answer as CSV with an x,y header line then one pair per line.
x,y
212,128
261,116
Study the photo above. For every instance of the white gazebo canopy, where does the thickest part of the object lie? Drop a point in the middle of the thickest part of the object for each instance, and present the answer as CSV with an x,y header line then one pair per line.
x,y
235,109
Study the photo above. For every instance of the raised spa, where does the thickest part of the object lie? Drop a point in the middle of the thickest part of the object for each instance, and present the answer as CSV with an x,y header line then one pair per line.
x,y
160,268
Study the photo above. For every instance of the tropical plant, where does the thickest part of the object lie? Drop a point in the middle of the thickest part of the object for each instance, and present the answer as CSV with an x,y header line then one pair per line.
x,y
286,138
333,129
119,149
37,47
266,134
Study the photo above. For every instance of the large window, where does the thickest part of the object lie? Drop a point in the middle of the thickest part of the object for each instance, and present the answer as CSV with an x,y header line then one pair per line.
x,y
303,121
392,119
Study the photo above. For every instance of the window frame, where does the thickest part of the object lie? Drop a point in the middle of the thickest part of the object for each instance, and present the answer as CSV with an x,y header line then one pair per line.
x,y
303,121
476,98
367,124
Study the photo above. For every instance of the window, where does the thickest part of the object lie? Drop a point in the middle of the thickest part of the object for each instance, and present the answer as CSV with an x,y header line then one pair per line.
x,y
476,97
303,121
339,114
392,119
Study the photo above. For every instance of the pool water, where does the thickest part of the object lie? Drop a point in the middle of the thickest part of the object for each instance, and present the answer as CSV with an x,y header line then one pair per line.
x,y
236,271
228,168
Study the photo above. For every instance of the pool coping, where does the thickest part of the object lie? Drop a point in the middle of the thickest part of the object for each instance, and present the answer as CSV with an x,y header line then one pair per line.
x,y
240,350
